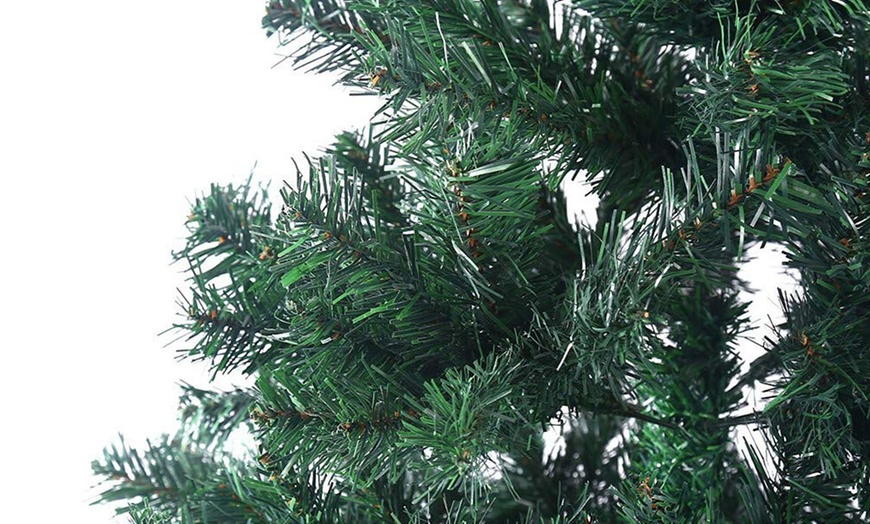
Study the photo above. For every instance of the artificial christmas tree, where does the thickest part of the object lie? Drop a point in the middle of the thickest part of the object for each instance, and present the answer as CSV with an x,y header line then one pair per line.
x,y
422,311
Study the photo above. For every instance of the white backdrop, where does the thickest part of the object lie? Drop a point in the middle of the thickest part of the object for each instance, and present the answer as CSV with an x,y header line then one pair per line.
x,y
112,114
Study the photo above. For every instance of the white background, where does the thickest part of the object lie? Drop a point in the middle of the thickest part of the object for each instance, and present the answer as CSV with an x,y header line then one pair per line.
x,y
112,115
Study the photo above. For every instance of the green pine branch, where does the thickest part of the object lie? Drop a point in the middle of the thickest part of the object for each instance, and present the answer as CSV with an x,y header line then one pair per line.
x,y
423,308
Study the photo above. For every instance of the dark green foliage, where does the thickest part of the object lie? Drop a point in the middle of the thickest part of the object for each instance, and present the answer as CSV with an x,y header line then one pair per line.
x,y
422,310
